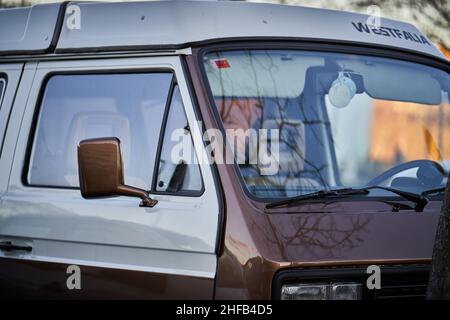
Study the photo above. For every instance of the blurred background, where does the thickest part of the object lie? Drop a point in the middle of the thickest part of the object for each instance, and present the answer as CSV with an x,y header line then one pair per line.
x,y
431,16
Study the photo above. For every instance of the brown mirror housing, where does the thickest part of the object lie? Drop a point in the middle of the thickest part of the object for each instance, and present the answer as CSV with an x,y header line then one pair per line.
x,y
100,170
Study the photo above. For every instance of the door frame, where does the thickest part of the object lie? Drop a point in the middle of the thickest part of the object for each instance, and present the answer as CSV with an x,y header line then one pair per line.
x,y
168,260
11,74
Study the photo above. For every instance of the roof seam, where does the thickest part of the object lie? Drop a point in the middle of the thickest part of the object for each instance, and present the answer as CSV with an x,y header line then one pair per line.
x,y
58,26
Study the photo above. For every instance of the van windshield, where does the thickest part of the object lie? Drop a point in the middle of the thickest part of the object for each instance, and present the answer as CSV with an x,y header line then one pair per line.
x,y
328,120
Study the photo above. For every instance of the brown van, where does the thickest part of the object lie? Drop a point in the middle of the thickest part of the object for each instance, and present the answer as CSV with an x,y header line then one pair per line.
x,y
218,150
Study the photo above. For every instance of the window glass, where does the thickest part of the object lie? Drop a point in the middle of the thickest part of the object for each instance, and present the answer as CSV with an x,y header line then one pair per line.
x,y
334,120
178,166
77,107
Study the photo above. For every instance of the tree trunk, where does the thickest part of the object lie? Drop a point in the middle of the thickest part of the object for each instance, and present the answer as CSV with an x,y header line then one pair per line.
x,y
439,282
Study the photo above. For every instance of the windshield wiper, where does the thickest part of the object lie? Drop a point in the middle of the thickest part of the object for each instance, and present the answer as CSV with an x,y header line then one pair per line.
x,y
317,196
419,199
433,191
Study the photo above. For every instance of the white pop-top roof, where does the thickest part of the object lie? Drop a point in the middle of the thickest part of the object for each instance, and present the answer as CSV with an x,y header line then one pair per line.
x,y
27,30
175,24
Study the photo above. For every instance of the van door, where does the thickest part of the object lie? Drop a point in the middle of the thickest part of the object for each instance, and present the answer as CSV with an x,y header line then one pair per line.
x,y
9,80
61,245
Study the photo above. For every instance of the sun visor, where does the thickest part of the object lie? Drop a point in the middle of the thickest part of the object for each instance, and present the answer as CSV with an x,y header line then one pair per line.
x,y
392,81
402,84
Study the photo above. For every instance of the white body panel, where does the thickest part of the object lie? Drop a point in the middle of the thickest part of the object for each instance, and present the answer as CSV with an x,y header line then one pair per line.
x,y
178,235
12,75
181,23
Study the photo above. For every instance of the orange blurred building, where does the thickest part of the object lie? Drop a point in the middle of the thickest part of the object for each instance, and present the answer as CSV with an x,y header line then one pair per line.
x,y
406,131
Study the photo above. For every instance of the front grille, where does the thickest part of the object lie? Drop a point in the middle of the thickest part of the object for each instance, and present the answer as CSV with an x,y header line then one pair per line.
x,y
402,285
416,292
399,282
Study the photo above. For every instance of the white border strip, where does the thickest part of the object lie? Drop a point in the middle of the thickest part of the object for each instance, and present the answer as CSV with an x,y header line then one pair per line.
x,y
128,267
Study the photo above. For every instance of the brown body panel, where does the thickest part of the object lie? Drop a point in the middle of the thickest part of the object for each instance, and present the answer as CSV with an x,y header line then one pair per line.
x,y
22,279
257,243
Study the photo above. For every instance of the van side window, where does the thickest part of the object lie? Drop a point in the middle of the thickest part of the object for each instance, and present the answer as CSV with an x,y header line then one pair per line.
x,y
129,106
178,166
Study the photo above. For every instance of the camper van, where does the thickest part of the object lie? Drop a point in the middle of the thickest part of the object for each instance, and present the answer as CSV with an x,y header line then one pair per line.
x,y
218,150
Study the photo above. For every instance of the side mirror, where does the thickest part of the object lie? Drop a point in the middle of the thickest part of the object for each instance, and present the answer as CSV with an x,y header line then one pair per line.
x,y
100,170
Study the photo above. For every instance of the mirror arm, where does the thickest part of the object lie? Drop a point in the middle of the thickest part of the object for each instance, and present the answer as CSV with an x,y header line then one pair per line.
x,y
136,192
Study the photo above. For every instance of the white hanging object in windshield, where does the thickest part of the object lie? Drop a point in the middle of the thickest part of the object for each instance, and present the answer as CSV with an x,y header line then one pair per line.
x,y
342,91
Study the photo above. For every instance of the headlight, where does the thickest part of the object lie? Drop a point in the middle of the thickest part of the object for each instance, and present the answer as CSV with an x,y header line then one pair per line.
x,y
321,291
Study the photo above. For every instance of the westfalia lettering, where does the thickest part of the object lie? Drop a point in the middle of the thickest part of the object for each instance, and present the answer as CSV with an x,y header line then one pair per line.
x,y
390,32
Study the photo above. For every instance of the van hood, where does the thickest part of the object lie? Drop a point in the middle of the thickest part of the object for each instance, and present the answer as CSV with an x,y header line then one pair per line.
x,y
351,233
